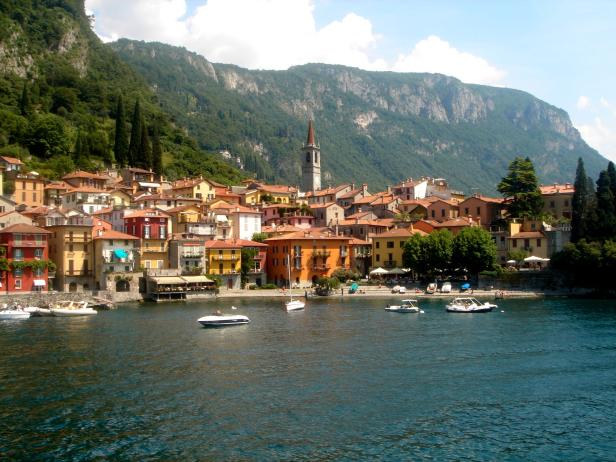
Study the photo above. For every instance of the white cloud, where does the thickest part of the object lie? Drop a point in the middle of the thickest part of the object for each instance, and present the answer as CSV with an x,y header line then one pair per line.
x,y
276,34
583,102
601,135
433,54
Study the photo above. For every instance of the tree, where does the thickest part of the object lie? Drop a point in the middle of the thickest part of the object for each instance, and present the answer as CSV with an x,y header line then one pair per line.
x,y
157,152
81,151
248,263
145,150
521,188
605,225
134,147
474,250
259,237
25,104
438,251
581,204
120,146
611,171
47,137
413,255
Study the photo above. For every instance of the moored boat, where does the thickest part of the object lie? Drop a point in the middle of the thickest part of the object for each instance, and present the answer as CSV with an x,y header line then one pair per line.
x,y
406,306
36,311
14,312
222,320
69,308
469,305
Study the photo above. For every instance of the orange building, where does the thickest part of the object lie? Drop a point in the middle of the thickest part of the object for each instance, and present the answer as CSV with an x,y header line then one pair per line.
x,y
28,190
313,254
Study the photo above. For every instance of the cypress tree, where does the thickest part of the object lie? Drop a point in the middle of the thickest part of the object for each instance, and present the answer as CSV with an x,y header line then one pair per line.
x,y
521,187
145,150
579,204
611,171
120,147
157,152
134,147
81,151
25,105
605,225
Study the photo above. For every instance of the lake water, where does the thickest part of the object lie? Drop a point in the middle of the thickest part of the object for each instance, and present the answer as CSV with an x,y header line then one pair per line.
x,y
342,380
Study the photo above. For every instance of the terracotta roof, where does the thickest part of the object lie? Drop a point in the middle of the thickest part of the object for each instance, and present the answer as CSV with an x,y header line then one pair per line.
x,y
322,206
223,191
361,221
419,202
82,174
451,202
275,188
103,211
527,235
139,170
566,188
227,244
309,234
11,160
85,189
164,197
146,213
325,192
112,234
352,193
57,185
188,183
24,229
493,200
359,215
233,208
454,222
280,229
401,232
356,241
181,208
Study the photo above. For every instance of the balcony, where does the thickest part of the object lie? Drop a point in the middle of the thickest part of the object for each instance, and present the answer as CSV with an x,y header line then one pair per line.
x,y
78,273
226,257
29,243
321,253
192,254
114,259
78,239
320,267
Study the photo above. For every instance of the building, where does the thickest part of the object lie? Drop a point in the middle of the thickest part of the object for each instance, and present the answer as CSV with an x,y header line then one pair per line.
x,y
70,248
224,260
54,191
327,214
13,217
257,193
442,210
324,196
197,188
388,247
485,210
26,249
85,198
28,190
11,164
313,254
528,237
257,266
311,162
361,256
113,252
151,226
187,253
557,199
81,179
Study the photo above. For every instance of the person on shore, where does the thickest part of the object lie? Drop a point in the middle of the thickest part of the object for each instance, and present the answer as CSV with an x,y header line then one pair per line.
x,y
342,291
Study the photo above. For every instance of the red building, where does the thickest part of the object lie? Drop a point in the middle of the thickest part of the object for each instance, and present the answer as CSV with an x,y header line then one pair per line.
x,y
23,246
151,226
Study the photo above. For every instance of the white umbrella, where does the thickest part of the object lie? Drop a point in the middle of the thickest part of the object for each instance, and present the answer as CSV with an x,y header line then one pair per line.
x,y
511,262
396,271
533,259
379,270
545,259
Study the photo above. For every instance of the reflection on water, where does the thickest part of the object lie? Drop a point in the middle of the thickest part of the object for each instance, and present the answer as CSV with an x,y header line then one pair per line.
x,y
341,380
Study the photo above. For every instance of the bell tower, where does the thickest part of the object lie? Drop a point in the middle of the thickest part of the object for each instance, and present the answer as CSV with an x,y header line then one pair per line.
x,y
311,162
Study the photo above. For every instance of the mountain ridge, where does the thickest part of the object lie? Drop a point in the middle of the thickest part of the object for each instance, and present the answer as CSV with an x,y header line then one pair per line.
x,y
386,125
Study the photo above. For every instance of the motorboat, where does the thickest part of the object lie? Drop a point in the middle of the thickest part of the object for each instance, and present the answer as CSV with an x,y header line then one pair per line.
x,y
70,308
13,312
222,320
406,306
446,288
469,305
36,311
431,289
398,290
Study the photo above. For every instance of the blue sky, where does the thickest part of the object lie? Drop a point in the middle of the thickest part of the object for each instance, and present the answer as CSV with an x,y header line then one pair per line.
x,y
560,51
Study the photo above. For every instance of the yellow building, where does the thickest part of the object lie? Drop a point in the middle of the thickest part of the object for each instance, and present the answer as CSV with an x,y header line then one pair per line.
x,y
198,188
119,198
70,248
280,194
224,259
28,189
387,248
527,237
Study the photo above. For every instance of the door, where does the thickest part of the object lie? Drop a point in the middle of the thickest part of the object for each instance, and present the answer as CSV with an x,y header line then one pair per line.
x,y
229,283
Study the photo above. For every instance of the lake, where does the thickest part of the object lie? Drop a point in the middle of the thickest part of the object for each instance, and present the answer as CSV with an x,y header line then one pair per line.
x,y
342,380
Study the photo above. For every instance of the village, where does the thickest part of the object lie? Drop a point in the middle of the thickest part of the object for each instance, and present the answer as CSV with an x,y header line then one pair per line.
x,y
128,234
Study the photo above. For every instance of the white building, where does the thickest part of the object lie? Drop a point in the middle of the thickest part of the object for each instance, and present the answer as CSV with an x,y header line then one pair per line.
x,y
87,199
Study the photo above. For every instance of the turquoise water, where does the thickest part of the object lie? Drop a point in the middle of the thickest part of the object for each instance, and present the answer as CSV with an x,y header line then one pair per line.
x,y
342,380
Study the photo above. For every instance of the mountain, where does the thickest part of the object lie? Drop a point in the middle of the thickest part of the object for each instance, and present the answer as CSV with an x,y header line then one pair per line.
x,y
59,83
374,127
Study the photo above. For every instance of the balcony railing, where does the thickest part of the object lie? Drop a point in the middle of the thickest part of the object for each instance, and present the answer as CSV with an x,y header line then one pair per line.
x,y
28,243
320,267
321,253
193,254
78,273
114,259
226,257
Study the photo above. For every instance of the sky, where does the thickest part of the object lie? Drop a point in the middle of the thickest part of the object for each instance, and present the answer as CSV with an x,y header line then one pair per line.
x,y
560,51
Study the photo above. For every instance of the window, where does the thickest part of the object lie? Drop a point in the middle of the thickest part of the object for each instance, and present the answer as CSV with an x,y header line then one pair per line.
x,y
220,268
23,196
33,197
18,254
146,232
432,213
442,212
160,264
390,244
378,257
566,203
163,232
38,253
538,242
18,284
308,157
526,243
110,242
552,204
401,244
478,211
514,243
378,245
466,211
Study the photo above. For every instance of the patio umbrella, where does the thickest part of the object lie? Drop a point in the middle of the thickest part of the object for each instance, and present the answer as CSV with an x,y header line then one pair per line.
x,y
533,259
378,271
511,262
466,285
396,271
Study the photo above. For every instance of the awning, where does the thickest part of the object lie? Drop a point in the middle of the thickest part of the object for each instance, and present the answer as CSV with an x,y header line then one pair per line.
x,y
196,279
120,253
379,270
39,283
149,185
161,280
221,218
396,271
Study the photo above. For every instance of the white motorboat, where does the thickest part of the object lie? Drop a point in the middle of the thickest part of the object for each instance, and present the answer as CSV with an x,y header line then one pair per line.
x,y
69,308
469,305
13,313
292,305
37,311
222,320
406,306
446,288
398,290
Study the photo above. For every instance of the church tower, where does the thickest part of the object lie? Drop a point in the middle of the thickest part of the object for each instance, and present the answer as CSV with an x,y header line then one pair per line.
x,y
311,162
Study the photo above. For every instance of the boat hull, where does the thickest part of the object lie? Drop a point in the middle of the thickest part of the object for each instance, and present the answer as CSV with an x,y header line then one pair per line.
x,y
67,313
38,312
295,305
479,309
13,314
223,321
402,310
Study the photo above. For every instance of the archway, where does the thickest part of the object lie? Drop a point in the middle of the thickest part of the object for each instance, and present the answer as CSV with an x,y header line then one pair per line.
x,y
72,287
122,286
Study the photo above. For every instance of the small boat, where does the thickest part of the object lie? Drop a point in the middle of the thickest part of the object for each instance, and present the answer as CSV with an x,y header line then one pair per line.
x,y
69,308
431,289
398,290
222,320
469,305
446,288
13,312
406,306
36,311
292,305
